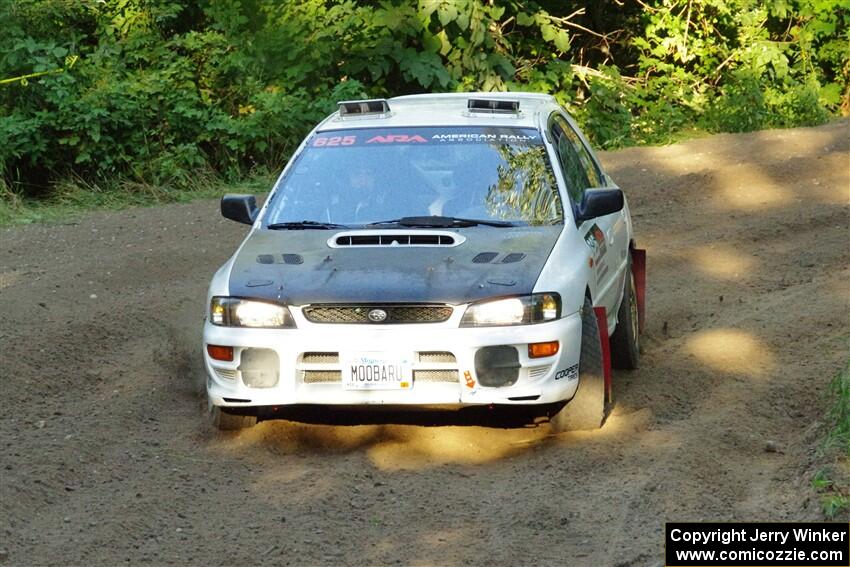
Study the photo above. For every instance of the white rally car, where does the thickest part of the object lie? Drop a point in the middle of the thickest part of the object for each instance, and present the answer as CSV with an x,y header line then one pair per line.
x,y
442,251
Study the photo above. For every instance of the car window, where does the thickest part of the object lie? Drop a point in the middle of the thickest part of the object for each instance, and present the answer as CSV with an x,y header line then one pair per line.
x,y
572,168
592,173
358,176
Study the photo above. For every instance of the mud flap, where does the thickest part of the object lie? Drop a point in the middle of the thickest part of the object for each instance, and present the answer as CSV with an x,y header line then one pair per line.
x,y
602,323
639,271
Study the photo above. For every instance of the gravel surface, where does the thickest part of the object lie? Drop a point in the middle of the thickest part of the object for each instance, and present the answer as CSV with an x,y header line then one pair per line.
x,y
107,456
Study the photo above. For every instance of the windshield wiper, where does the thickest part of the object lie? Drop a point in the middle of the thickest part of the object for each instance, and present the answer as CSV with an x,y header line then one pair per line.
x,y
442,222
304,225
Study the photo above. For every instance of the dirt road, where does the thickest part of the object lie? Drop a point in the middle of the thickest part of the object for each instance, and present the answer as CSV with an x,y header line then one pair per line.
x,y
107,457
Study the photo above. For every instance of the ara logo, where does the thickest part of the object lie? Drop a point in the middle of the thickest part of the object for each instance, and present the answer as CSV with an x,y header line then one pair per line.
x,y
397,138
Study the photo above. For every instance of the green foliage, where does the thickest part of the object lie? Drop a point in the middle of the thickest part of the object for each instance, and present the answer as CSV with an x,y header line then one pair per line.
x,y
157,92
839,414
832,482
72,197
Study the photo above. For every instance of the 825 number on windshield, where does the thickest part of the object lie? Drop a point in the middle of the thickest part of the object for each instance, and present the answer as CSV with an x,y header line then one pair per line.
x,y
334,141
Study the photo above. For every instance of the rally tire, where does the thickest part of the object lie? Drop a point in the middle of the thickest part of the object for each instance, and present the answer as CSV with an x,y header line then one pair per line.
x,y
625,342
225,421
587,408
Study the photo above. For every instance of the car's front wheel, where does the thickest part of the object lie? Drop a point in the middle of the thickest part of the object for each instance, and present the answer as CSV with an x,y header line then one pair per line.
x,y
226,420
587,408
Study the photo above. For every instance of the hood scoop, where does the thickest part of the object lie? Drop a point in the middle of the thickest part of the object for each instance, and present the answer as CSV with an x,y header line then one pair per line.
x,y
406,238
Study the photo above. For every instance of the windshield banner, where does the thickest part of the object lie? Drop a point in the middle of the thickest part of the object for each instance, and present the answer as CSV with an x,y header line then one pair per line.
x,y
430,136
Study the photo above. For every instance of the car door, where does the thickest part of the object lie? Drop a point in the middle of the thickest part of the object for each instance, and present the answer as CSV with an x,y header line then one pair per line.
x,y
606,236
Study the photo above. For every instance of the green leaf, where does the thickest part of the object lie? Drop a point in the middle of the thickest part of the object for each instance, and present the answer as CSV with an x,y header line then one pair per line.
x,y
462,21
428,7
524,19
431,42
562,40
831,94
447,13
445,44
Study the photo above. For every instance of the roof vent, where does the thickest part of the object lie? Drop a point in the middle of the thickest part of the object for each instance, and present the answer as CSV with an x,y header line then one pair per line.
x,y
363,107
493,106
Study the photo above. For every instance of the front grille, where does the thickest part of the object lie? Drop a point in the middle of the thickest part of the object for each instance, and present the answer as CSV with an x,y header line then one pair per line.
x,y
335,376
437,357
428,366
320,358
396,314
321,376
434,376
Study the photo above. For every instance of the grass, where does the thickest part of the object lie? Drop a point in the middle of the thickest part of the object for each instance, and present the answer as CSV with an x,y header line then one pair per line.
x,y
832,480
74,197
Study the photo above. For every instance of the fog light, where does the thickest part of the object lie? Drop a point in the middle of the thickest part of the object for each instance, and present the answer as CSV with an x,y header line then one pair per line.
x,y
541,350
217,352
260,367
497,366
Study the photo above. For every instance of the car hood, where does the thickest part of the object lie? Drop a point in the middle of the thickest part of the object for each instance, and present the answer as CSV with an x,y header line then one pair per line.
x,y
300,267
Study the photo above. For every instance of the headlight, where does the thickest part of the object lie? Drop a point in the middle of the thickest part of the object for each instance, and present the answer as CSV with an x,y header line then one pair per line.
x,y
235,312
524,310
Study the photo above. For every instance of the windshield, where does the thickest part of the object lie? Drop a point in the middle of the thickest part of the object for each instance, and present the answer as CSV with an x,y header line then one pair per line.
x,y
362,176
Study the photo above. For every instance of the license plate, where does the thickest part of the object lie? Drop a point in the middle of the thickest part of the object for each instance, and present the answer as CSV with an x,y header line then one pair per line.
x,y
376,371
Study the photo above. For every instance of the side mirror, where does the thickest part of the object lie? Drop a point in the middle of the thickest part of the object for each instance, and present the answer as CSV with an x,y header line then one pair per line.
x,y
599,202
241,208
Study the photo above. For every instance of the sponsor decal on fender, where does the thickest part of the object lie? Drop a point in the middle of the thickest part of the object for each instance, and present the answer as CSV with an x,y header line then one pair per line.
x,y
595,239
570,373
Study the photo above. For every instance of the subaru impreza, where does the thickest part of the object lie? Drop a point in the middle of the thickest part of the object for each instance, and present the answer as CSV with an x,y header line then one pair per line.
x,y
430,251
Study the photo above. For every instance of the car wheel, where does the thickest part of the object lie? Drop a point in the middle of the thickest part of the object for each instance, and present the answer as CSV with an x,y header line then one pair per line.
x,y
625,342
587,408
224,420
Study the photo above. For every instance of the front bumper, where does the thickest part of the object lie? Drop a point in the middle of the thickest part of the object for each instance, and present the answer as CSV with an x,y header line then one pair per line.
x,y
436,350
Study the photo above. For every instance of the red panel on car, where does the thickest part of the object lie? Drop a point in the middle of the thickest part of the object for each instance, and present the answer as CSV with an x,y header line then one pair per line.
x,y
639,271
602,322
